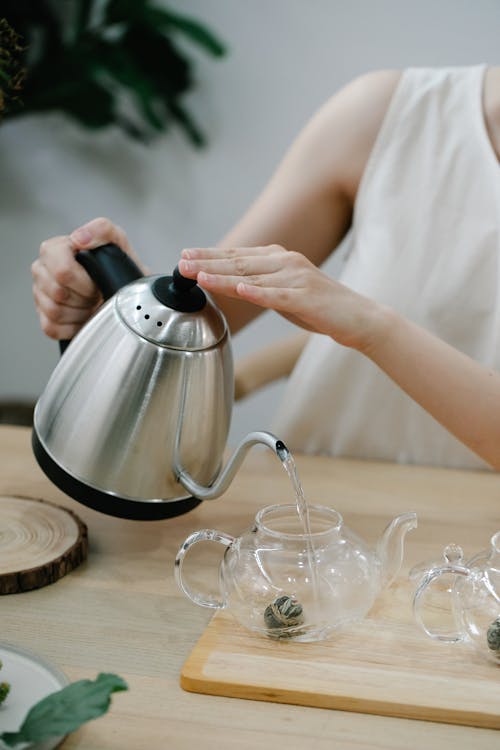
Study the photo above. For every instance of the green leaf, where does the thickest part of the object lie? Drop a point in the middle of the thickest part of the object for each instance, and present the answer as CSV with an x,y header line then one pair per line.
x,y
158,60
196,31
117,65
64,711
191,129
4,691
124,10
144,13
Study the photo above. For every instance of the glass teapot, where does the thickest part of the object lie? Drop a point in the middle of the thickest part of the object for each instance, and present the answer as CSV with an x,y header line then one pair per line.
x,y
475,597
280,582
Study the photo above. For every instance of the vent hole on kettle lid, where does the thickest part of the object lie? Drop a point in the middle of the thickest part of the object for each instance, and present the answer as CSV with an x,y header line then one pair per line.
x,y
159,323
139,307
147,317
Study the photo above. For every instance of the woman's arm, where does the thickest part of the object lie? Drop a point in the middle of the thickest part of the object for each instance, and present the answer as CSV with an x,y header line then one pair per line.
x,y
306,206
458,392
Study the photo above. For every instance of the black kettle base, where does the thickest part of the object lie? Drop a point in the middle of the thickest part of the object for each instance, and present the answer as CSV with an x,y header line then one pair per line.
x,y
111,505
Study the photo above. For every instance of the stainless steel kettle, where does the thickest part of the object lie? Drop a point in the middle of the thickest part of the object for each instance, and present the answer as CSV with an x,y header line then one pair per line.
x,y
135,417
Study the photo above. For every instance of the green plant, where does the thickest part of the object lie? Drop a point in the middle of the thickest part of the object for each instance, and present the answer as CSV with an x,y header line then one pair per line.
x,y
66,710
108,62
11,71
4,688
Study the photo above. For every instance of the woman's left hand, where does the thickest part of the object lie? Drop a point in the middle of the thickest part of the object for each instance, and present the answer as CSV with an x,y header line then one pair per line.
x,y
289,283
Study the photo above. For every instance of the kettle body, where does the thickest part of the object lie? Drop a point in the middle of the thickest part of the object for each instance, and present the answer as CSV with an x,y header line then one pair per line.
x,y
142,391
134,419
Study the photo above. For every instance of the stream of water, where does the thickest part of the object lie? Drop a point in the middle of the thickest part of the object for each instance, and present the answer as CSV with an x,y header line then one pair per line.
x,y
305,521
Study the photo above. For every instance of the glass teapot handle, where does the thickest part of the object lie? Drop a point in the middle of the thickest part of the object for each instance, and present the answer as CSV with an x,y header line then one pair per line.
x,y
205,535
453,556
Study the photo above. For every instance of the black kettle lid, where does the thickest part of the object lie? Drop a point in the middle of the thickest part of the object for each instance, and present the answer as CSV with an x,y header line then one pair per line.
x,y
179,293
172,312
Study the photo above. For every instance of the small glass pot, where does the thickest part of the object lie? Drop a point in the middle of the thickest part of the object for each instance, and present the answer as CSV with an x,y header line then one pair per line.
x,y
475,597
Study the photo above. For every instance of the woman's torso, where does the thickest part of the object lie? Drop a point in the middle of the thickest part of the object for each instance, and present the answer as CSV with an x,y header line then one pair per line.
x,y
424,240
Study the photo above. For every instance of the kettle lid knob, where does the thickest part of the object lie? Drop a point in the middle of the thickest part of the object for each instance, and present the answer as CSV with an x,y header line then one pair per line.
x,y
179,293
180,282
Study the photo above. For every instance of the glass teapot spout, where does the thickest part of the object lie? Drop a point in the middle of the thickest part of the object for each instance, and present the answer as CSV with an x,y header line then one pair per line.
x,y
220,485
390,548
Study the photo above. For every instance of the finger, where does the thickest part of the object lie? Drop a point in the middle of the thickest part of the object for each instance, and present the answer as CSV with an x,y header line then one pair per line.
x,y
209,253
102,231
287,302
98,232
262,290
62,295
240,265
59,314
282,301
56,330
219,284
282,278
277,298
57,255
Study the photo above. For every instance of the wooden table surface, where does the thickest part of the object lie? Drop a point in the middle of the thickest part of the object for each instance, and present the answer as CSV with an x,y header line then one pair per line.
x,y
122,612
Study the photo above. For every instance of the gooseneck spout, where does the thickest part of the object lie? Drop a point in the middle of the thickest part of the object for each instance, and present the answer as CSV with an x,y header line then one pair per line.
x,y
390,547
224,480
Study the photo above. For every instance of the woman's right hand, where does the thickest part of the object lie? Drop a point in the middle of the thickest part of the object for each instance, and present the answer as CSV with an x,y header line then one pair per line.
x,y
65,295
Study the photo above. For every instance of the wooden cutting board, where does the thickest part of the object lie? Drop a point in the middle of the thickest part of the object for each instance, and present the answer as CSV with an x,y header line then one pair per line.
x,y
384,666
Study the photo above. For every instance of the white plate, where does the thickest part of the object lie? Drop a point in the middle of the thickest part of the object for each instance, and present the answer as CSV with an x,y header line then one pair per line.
x,y
31,678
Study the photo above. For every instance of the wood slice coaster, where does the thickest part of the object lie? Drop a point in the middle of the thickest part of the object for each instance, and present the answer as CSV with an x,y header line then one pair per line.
x,y
39,543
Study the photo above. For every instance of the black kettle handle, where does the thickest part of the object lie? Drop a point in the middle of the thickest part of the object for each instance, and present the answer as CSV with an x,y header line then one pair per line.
x,y
110,268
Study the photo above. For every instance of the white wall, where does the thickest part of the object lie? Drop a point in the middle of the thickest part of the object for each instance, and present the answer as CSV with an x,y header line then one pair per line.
x,y
286,58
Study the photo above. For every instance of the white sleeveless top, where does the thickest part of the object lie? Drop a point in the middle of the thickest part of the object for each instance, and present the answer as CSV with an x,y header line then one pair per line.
x,y
424,240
